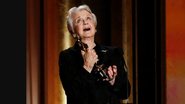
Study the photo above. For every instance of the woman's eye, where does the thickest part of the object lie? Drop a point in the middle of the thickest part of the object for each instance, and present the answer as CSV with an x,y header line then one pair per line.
x,y
78,20
89,18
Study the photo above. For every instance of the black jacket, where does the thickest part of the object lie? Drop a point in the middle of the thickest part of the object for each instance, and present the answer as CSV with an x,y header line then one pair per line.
x,y
82,87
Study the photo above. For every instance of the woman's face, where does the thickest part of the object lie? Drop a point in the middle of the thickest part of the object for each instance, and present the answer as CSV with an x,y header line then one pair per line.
x,y
83,24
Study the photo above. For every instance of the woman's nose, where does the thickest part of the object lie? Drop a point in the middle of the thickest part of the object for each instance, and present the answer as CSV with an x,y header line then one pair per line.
x,y
85,22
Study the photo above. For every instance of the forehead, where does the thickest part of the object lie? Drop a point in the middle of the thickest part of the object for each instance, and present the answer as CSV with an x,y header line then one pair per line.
x,y
80,13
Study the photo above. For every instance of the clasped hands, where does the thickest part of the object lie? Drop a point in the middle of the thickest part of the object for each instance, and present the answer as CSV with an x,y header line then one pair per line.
x,y
90,58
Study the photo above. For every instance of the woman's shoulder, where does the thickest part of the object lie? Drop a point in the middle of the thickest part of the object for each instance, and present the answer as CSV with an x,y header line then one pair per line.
x,y
67,52
112,49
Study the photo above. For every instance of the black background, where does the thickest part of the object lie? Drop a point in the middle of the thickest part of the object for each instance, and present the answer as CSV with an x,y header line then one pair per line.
x,y
13,51
149,43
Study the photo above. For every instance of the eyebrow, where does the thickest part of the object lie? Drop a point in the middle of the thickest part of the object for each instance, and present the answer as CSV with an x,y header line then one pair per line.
x,y
77,17
89,15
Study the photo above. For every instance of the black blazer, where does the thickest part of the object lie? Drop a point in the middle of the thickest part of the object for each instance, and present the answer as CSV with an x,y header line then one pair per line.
x,y
81,87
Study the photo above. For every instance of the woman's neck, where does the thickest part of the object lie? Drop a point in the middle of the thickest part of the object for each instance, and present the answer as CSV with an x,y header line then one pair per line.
x,y
90,42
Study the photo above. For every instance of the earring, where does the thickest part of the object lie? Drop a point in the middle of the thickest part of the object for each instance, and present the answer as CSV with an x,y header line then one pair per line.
x,y
74,35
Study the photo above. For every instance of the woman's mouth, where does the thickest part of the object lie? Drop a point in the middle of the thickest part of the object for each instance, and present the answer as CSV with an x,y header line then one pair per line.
x,y
86,29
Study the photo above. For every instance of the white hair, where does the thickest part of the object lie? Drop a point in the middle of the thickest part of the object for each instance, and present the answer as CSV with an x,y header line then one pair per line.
x,y
74,10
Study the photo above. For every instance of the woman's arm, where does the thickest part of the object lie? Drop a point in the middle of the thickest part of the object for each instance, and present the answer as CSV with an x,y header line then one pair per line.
x,y
121,85
74,78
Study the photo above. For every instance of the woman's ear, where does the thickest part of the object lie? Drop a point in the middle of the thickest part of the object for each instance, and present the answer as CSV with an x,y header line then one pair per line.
x,y
69,29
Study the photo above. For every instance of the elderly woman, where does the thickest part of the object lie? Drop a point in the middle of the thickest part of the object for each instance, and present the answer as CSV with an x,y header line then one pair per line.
x,y
91,73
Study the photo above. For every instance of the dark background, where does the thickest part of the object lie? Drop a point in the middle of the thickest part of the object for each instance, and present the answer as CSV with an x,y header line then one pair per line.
x,y
150,50
13,51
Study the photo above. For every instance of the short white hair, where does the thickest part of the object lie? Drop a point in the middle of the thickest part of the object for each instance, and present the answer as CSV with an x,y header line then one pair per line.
x,y
74,10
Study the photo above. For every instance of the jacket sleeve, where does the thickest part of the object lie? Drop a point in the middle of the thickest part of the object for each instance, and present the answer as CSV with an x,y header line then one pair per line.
x,y
122,85
74,79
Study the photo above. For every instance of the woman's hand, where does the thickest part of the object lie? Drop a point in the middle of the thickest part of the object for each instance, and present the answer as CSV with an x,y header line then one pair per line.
x,y
90,58
112,73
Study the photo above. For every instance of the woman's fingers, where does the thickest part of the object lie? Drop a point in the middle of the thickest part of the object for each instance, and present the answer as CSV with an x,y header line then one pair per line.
x,y
114,67
110,72
90,57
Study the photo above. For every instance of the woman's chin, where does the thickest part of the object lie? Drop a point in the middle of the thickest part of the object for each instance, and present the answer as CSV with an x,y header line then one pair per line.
x,y
88,36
